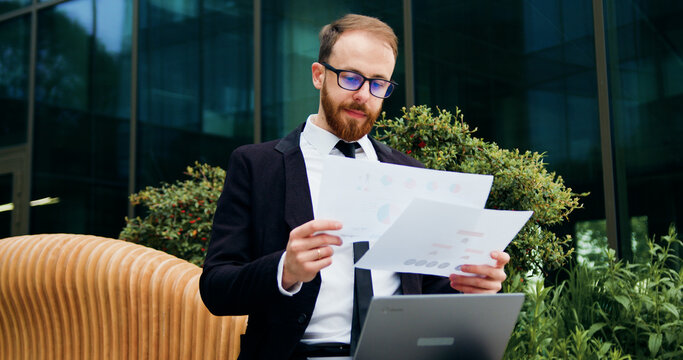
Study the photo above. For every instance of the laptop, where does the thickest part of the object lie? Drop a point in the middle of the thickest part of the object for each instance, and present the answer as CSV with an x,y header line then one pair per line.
x,y
434,327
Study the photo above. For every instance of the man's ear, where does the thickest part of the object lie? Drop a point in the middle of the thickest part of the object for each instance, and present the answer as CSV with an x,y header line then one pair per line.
x,y
318,74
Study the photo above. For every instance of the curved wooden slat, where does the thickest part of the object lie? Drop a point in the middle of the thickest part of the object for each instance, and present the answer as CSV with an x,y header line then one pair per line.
x,y
85,297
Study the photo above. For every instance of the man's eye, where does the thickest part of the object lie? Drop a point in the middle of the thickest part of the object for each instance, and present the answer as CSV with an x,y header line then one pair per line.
x,y
379,85
351,79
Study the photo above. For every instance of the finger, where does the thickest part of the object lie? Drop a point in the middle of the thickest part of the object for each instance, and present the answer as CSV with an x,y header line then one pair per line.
x,y
468,283
314,226
304,266
472,290
502,258
315,266
306,244
319,253
487,271
325,239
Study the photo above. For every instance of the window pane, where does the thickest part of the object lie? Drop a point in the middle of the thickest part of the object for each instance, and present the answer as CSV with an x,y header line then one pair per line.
x,y
196,93
524,74
14,58
591,240
6,205
82,123
290,45
645,57
9,5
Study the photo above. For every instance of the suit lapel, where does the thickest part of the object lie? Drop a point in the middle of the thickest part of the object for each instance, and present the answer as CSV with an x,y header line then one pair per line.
x,y
298,206
384,152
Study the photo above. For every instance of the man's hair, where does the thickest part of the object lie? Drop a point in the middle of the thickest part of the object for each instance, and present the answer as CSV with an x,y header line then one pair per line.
x,y
331,32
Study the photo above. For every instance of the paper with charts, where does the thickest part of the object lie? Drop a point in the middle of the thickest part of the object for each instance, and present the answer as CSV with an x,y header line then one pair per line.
x,y
368,196
436,238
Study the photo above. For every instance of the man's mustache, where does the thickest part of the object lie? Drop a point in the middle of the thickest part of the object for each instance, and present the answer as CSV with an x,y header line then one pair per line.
x,y
357,106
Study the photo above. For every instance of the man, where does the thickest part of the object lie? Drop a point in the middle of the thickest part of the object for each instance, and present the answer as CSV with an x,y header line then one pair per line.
x,y
268,258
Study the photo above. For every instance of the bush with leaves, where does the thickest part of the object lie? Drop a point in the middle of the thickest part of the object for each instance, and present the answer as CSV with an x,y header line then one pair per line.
x,y
443,141
179,216
616,310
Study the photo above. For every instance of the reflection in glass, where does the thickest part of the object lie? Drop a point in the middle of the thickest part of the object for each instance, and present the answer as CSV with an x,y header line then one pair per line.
x,y
524,75
14,53
81,141
196,93
645,57
591,240
6,205
8,5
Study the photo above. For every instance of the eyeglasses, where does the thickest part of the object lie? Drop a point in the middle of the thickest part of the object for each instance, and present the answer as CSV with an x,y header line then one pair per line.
x,y
352,81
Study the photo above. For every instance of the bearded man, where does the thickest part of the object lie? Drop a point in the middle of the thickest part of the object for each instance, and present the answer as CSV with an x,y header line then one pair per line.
x,y
269,257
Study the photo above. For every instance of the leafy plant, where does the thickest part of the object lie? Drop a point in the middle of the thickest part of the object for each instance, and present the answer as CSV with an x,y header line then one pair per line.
x,y
443,141
616,310
179,216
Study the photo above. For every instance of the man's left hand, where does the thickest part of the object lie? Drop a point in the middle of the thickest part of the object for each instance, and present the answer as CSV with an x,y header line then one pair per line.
x,y
488,280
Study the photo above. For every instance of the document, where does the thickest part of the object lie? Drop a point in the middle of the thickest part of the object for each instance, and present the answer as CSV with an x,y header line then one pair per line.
x,y
367,196
437,238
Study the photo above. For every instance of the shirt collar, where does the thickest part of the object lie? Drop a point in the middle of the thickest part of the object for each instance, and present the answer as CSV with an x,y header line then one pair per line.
x,y
324,141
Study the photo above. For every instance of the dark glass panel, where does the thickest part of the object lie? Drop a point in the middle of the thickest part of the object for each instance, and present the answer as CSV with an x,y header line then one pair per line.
x,y
9,5
645,58
524,74
81,142
14,58
84,206
196,93
290,45
157,142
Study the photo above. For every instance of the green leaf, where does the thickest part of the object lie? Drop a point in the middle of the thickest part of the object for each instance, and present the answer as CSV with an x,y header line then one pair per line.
x,y
654,343
604,348
623,300
671,308
595,327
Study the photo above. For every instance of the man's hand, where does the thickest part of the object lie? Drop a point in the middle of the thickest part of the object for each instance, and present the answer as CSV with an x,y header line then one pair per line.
x,y
489,279
307,253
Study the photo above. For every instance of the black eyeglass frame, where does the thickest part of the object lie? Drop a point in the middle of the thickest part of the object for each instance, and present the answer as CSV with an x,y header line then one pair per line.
x,y
370,80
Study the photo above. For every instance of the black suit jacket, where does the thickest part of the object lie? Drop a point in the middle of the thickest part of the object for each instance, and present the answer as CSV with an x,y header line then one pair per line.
x,y
266,195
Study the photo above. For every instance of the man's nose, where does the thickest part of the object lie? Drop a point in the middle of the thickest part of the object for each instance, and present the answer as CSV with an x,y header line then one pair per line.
x,y
363,94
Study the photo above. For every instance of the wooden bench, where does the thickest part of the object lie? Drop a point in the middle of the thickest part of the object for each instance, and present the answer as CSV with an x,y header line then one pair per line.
x,y
68,296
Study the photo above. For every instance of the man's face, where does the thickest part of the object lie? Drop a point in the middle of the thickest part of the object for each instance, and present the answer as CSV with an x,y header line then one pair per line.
x,y
350,127
351,114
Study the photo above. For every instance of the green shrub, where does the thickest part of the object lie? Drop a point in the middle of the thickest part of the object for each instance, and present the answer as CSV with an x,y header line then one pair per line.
x,y
615,310
443,141
179,216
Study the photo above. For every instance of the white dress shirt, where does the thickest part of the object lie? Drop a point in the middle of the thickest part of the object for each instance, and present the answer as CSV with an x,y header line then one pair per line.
x,y
332,315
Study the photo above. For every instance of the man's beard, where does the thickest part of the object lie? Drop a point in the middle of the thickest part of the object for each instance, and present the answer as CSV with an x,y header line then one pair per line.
x,y
349,130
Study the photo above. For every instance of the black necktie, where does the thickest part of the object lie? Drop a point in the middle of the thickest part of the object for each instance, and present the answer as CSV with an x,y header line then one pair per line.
x,y
362,280
348,149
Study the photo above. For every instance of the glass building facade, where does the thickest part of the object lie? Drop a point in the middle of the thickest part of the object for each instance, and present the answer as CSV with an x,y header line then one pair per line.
x,y
101,98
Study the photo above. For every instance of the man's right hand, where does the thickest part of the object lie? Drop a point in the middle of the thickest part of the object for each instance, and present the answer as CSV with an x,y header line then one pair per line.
x,y
307,253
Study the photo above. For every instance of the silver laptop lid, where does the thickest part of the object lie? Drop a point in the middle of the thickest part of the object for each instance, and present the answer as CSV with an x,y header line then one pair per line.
x,y
459,326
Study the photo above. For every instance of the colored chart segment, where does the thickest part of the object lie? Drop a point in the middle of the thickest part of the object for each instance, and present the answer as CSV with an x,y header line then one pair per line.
x,y
387,213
